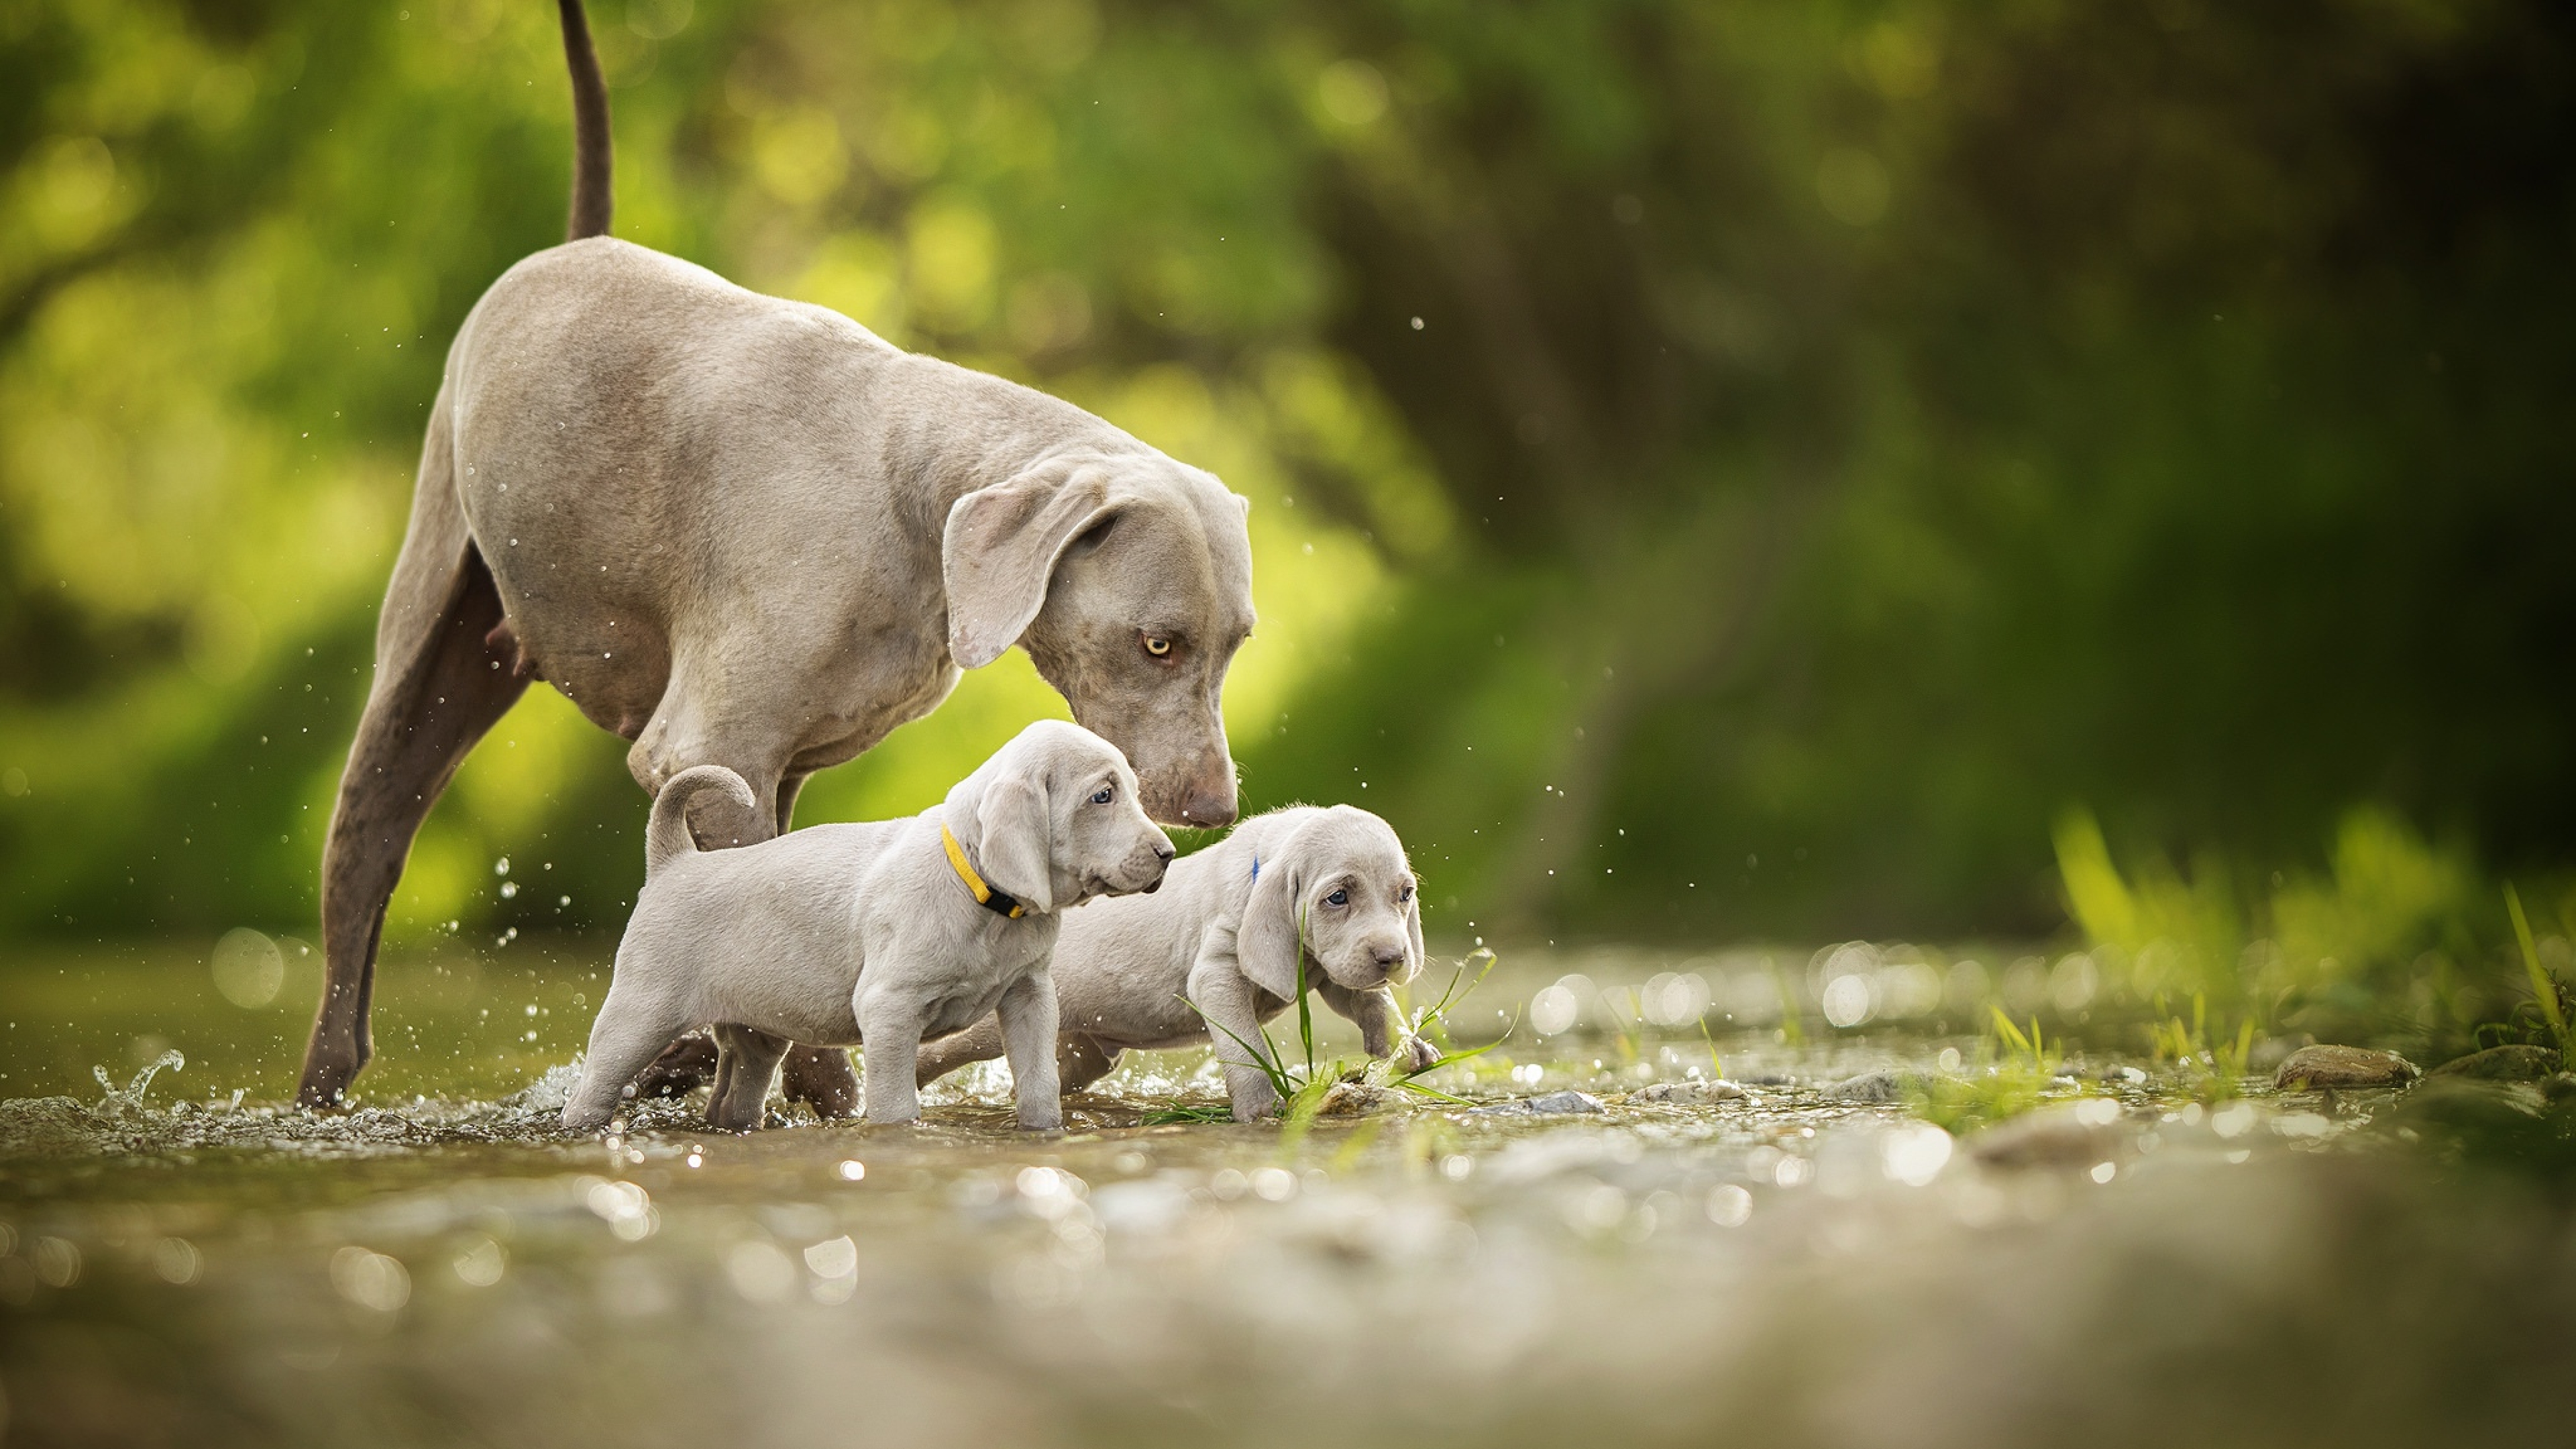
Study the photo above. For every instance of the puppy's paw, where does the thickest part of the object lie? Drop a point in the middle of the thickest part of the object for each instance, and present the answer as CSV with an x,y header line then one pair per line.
x,y
1417,1054
1041,1121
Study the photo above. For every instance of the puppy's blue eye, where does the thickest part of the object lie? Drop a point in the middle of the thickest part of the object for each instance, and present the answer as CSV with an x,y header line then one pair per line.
x,y
1104,796
1405,894
1338,898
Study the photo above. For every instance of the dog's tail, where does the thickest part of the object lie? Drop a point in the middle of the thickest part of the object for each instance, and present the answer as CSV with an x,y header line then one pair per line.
x,y
667,838
590,152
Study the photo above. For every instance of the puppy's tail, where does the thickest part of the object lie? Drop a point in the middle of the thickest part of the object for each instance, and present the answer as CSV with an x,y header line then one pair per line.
x,y
590,152
667,837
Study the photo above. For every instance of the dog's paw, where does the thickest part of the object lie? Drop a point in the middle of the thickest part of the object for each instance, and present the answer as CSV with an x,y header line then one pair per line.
x,y
1417,1054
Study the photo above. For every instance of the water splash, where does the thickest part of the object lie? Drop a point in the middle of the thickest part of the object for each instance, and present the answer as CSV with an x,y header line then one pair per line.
x,y
116,1103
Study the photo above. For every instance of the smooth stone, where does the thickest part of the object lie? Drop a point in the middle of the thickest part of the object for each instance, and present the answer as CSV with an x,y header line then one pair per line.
x,y
1878,1086
1551,1104
1694,1092
2324,1067
2516,1063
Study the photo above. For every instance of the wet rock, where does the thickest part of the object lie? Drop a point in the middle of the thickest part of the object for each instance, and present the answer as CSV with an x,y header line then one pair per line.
x,y
2322,1068
1551,1104
1879,1086
2067,1134
2559,1088
2516,1063
1693,1093
1353,1099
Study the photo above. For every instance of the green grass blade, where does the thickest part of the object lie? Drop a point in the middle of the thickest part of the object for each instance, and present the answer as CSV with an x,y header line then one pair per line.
x,y
1305,1017
2542,986
2011,1033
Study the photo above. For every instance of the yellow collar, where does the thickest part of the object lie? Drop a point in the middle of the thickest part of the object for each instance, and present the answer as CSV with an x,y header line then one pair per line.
x,y
985,896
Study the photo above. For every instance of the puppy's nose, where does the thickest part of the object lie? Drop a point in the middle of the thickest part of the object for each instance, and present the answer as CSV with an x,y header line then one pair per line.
x,y
1388,957
1164,852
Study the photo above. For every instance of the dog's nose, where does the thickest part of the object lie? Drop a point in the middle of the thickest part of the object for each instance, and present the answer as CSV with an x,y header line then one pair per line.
x,y
1164,852
1208,809
1389,957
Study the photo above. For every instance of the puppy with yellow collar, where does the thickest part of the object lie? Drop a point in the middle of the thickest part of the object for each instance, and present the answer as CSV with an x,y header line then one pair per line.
x,y
884,932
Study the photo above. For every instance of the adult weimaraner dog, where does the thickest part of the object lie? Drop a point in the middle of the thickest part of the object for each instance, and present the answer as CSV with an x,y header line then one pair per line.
x,y
744,531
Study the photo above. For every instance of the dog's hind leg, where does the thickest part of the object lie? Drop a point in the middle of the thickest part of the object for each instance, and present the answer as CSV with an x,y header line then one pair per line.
x,y
749,1065
446,670
1082,1060
628,1034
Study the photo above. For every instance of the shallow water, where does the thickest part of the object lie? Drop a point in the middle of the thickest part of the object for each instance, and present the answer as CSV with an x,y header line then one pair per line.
x,y
442,1266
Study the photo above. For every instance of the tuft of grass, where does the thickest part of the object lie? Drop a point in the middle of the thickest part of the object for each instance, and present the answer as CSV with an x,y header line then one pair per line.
x,y
1183,1115
2214,1072
2013,1074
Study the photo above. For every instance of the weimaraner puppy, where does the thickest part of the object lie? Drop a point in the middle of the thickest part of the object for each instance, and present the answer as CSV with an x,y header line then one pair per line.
x,y
1323,893
744,531
885,932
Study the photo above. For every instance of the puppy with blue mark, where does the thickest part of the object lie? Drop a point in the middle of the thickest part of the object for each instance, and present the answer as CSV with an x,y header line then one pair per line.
x,y
1319,895
885,932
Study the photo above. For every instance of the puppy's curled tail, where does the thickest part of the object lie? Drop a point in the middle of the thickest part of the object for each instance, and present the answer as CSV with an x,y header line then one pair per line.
x,y
667,838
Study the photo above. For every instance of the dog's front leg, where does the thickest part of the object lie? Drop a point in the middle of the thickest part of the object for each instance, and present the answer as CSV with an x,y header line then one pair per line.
x,y
1222,995
1028,1016
1380,1020
891,1029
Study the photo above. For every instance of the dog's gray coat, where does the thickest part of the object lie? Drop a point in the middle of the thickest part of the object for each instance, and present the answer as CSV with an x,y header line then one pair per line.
x,y
841,933
1222,937
745,531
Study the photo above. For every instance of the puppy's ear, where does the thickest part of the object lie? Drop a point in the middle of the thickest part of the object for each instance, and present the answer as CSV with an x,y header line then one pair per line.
x,y
1000,547
1015,842
1268,943
1413,929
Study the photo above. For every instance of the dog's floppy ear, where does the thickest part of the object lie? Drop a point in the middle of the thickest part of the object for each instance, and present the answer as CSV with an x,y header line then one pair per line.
x,y
1413,927
1000,547
1015,841
1268,944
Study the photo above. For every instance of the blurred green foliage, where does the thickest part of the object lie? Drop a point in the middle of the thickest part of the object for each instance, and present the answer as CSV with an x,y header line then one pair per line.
x,y
1719,468
2397,941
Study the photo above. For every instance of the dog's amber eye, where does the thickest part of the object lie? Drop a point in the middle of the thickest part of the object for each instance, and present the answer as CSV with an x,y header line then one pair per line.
x,y
1157,645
